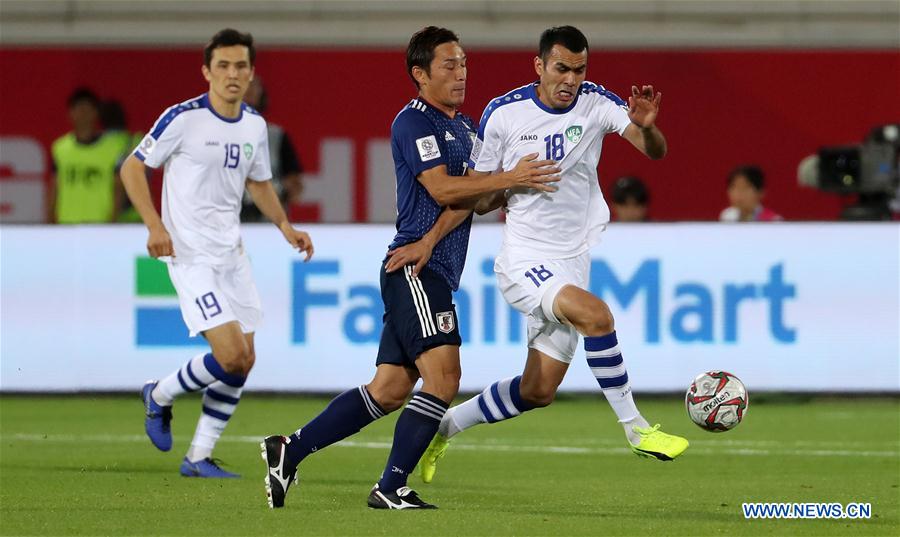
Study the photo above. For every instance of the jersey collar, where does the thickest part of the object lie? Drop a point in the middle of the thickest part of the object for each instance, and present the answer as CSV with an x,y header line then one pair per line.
x,y
425,101
205,102
532,92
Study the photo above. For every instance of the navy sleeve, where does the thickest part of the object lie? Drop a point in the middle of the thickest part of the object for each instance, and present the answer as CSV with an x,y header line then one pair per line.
x,y
415,136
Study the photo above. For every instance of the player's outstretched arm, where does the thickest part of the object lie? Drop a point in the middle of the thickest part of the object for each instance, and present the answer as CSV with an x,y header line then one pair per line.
x,y
643,107
418,253
267,201
134,179
452,190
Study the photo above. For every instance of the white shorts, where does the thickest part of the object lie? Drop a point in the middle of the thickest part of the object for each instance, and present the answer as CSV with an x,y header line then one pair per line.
x,y
212,295
531,286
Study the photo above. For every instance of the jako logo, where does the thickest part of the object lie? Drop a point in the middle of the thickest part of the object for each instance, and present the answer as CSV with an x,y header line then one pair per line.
x,y
158,321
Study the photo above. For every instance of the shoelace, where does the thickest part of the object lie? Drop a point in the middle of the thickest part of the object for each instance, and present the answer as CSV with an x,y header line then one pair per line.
x,y
648,431
440,453
218,463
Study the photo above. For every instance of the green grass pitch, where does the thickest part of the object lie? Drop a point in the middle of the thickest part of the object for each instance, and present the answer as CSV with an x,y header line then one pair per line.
x,y
82,466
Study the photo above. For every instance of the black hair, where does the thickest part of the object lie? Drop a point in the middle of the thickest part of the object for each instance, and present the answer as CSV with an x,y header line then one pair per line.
x,y
263,104
753,173
228,38
112,115
420,51
630,187
567,36
83,94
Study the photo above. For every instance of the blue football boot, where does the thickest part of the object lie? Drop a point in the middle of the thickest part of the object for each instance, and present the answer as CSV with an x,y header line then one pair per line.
x,y
204,468
158,418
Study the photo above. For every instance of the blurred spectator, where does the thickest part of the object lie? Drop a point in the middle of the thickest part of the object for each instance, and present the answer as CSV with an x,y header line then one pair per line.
x,y
746,188
630,199
287,171
84,163
115,125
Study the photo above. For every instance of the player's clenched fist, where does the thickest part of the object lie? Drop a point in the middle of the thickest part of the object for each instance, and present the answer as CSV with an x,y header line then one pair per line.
x,y
159,243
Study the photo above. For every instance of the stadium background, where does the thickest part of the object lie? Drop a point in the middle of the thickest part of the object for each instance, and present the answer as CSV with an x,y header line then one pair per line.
x,y
763,82
83,309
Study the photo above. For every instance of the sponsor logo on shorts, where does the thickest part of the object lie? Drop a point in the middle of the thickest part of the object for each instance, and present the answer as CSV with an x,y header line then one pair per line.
x,y
445,322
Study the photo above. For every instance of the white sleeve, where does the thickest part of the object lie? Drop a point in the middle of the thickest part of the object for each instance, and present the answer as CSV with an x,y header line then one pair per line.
x,y
261,169
487,150
163,139
616,119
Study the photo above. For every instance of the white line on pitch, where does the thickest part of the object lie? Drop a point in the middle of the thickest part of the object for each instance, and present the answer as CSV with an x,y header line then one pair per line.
x,y
726,449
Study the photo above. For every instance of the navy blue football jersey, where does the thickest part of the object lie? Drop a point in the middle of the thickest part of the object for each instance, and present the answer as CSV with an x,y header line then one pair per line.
x,y
423,137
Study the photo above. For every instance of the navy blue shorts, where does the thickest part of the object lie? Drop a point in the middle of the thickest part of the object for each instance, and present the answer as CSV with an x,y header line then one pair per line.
x,y
418,315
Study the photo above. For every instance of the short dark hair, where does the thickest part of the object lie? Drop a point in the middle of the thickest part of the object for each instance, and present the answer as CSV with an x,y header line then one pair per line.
x,y
630,187
567,36
83,94
753,173
420,51
112,115
263,103
228,38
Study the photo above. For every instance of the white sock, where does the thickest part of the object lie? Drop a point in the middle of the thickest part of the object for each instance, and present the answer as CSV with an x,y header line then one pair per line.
x,y
499,401
198,373
605,360
622,403
219,403
466,412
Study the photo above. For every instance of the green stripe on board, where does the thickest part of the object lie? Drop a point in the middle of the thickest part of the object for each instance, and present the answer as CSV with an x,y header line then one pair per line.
x,y
152,278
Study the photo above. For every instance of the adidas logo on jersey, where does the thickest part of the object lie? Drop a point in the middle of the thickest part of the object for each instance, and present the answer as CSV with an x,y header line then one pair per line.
x,y
448,137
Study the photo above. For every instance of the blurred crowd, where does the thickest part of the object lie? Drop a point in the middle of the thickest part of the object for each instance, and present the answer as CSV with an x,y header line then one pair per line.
x,y
86,186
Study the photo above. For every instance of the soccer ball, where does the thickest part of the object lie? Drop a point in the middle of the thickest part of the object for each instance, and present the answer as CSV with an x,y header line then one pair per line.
x,y
716,401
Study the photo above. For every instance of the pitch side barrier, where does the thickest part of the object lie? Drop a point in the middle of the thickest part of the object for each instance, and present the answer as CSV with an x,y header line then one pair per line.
x,y
787,307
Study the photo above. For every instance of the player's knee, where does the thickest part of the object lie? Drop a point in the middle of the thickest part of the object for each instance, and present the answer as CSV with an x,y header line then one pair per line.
x,y
538,396
598,322
389,397
446,387
235,360
249,362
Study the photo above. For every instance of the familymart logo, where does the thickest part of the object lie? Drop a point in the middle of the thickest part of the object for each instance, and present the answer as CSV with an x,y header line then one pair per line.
x,y
158,321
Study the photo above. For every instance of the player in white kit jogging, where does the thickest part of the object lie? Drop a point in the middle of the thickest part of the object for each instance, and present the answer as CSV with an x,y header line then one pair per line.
x,y
544,263
212,146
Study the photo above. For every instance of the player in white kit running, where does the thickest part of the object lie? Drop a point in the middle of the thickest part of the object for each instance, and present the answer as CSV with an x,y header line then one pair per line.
x,y
212,146
544,263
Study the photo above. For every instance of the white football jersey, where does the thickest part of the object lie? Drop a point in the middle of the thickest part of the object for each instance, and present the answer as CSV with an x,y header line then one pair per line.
x,y
567,222
207,159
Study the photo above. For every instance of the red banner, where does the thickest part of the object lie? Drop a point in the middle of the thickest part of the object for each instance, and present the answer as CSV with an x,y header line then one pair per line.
x,y
719,109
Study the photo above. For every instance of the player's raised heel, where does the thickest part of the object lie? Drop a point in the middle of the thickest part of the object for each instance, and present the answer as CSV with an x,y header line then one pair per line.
x,y
278,478
157,418
436,450
402,498
658,445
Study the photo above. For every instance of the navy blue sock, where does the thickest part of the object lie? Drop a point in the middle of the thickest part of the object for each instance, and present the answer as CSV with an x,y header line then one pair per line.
x,y
344,416
415,428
